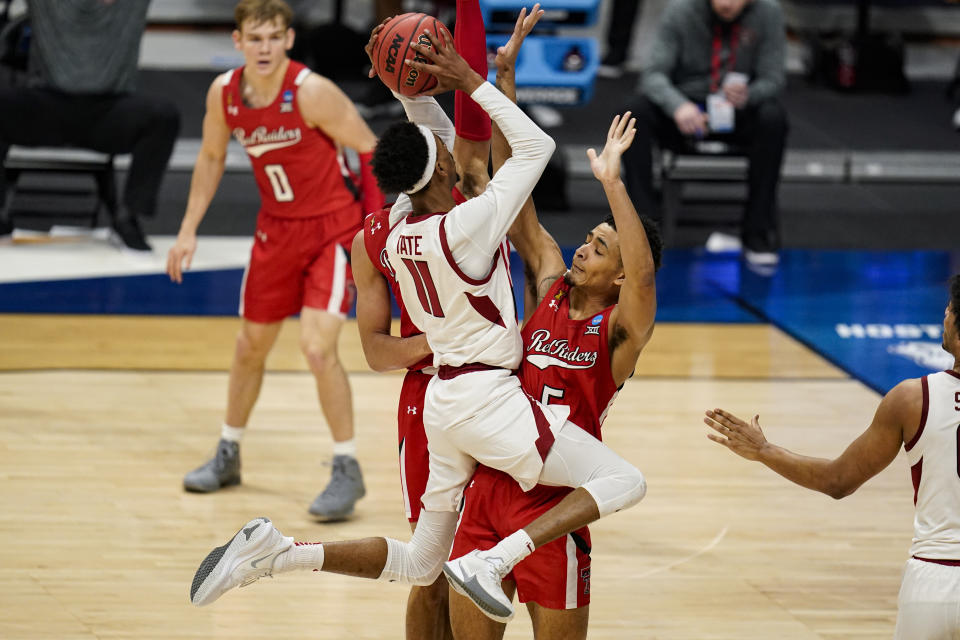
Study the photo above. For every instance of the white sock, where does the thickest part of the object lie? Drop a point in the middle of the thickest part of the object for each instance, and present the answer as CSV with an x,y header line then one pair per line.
x,y
302,556
232,434
512,549
345,448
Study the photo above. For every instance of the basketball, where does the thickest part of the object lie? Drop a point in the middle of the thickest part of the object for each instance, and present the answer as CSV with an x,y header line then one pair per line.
x,y
393,47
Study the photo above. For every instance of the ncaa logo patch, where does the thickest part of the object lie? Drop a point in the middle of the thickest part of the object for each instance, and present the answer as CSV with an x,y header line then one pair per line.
x,y
597,319
287,105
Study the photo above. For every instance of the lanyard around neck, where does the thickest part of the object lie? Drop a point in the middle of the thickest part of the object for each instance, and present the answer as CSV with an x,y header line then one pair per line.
x,y
715,58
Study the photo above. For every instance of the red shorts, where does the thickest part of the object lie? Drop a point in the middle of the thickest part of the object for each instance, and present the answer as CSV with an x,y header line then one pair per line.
x,y
414,459
555,576
300,262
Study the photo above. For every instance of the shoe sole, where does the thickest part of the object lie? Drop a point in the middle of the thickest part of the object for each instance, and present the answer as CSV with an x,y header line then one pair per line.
x,y
471,589
195,489
212,565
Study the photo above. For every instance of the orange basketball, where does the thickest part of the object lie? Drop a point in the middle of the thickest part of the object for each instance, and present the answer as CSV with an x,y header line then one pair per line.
x,y
393,47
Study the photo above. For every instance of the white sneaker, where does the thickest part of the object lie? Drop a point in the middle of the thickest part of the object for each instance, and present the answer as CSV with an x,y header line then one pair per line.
x,y
762,258
719,242
248,557
477,576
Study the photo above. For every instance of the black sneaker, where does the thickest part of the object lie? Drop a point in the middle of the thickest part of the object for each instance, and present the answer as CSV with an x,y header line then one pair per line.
x,y
129,233
610,68
6,228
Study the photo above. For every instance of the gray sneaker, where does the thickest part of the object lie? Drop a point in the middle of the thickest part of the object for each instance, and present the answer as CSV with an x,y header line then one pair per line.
x,y
345,488
220,471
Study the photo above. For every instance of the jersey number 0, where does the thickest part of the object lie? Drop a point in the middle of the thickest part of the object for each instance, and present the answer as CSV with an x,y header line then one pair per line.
x,y
282,190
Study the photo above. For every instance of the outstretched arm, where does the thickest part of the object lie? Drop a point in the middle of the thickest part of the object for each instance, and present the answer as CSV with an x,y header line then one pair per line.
x,y
864,458
384,352
543,262
631,321
476,228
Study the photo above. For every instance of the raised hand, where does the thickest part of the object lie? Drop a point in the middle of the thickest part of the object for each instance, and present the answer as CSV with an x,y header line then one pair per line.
x,y
745,440
445,64
507,54
371,45
606,166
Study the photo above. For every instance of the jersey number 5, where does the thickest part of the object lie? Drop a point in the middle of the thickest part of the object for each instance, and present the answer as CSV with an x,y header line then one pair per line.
x,y
282,190
550,393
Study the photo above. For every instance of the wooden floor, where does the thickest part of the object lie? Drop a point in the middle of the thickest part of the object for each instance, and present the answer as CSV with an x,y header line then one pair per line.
x,y
100,417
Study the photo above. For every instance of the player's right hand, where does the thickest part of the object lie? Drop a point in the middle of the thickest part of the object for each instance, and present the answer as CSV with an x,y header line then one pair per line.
x,y
446,65
743,438
181,255
371,43
690,120
506,58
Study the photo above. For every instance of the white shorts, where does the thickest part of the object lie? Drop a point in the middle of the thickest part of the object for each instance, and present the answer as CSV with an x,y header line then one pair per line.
x,y
929,602
485,417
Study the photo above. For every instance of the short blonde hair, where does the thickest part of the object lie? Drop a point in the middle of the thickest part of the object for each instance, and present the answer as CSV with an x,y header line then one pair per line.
x,y
261,11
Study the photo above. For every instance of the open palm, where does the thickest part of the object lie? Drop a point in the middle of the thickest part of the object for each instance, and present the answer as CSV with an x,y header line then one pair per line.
x,y
507,54
606,166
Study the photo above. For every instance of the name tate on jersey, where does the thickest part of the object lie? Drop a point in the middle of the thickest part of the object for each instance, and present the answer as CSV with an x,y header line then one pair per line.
x,y
409,245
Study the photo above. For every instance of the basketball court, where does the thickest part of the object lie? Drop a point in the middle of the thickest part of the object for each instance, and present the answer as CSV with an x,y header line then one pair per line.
x,y
105,404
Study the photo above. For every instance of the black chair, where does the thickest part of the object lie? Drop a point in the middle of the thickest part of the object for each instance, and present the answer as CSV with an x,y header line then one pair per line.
x,y
62,161
709,161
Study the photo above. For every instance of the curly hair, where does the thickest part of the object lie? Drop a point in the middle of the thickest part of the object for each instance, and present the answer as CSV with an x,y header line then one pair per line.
x,y
955,299
653,237
399,157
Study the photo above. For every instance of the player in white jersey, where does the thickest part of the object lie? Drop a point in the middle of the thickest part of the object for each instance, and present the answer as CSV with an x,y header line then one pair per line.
x,y
448,257
923,415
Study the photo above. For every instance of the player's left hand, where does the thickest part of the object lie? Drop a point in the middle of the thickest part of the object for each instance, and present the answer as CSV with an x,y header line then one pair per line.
x,y
745,440
606,166
445,64
372,43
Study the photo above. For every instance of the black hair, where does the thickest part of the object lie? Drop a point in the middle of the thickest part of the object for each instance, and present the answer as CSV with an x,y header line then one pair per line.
x,y
399,157
955,300
653,237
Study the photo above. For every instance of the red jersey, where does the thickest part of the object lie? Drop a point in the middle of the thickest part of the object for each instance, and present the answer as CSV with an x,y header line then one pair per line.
x,y
565,362
376,228
295,165
568,361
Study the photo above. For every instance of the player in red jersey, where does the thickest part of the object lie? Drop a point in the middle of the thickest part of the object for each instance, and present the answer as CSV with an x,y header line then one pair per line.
x,y
570,457
292,123
575,352
427,610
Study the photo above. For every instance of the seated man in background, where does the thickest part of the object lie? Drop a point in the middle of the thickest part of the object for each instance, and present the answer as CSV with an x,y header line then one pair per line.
x,y
80,92
716,70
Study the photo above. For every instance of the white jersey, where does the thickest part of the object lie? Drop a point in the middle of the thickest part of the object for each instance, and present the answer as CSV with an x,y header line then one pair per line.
x,y
466,320
452,268
934,456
